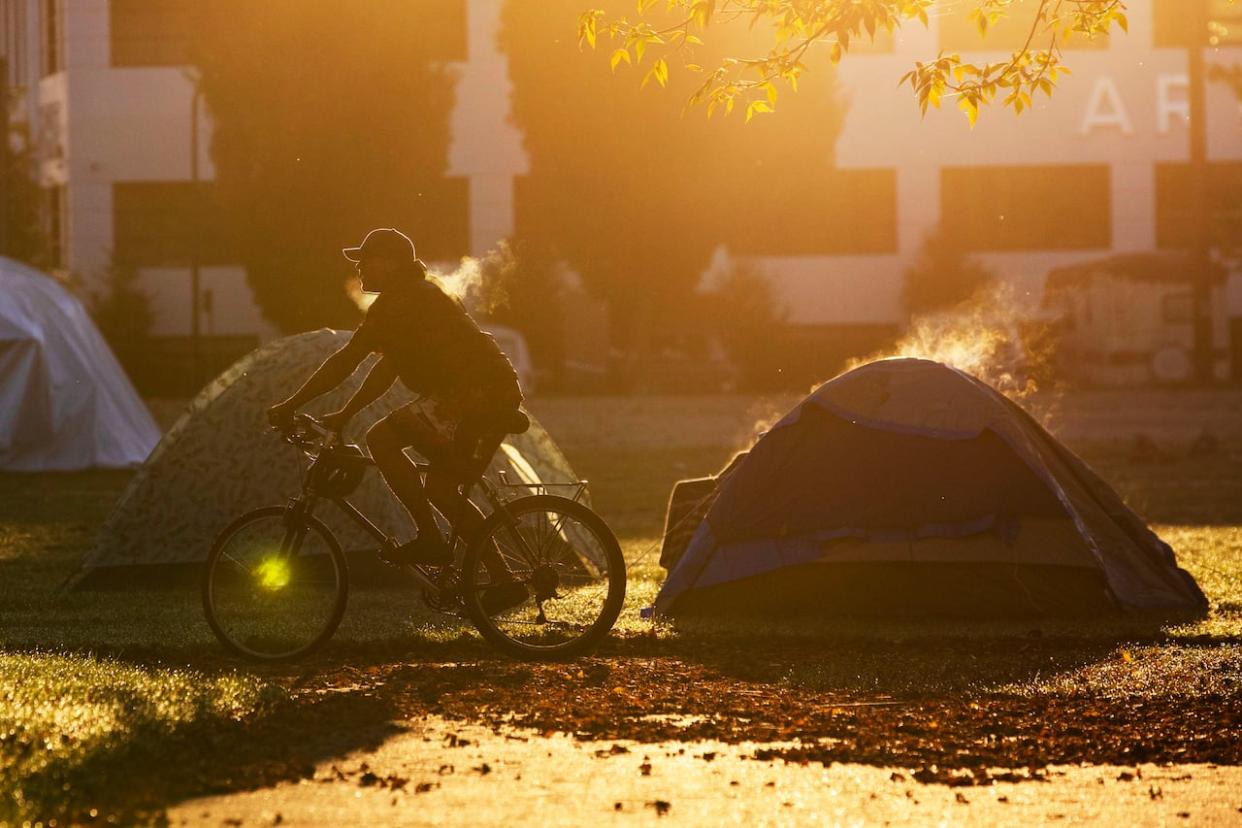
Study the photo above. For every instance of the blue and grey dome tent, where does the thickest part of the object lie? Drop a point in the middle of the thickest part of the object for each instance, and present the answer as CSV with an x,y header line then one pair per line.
x,y
908,487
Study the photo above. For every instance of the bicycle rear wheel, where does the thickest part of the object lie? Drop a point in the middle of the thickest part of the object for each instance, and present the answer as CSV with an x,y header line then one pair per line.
x,y
275,585
572,569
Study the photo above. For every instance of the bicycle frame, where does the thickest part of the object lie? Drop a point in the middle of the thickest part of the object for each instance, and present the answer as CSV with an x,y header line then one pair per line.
x,y
305,503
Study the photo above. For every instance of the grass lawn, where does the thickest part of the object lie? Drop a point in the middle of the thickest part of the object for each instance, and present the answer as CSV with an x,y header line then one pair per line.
x,y
121,702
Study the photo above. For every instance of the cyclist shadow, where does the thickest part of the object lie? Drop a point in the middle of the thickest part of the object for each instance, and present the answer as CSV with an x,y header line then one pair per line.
x,y
137,778
350,699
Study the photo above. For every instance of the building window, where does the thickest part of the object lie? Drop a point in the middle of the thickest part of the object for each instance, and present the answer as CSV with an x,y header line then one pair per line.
x,y
57,217
1177,308
168,224
440,218
53,37
1027,208
150,32
1174,215
834,213
438,30
840,213
12,39
1172,26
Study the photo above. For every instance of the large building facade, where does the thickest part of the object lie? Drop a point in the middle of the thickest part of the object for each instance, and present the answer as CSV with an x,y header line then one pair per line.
x,y
1099,169
111,103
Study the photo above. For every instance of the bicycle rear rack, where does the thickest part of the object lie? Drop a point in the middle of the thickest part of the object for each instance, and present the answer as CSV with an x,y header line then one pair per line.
x,y
578,487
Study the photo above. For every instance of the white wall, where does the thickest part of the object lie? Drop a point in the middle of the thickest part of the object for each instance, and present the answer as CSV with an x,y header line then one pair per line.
x,y
485,146
131,124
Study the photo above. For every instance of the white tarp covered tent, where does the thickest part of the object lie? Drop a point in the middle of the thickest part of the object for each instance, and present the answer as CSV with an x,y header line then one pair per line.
x,y
65,402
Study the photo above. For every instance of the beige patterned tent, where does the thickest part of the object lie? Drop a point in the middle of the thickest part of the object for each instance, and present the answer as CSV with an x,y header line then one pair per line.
x,y
221,459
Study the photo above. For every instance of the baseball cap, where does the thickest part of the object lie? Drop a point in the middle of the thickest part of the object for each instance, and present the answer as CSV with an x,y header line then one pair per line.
x,y
383,241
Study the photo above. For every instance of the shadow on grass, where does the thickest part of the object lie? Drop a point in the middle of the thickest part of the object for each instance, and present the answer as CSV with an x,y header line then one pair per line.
x,y
133,779
950,706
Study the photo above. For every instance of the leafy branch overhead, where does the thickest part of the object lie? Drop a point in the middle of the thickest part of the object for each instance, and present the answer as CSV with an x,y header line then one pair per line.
x,y
667,29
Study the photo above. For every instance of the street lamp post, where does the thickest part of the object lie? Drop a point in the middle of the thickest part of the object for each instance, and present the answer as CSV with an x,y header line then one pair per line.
x,y
195,232
1200,240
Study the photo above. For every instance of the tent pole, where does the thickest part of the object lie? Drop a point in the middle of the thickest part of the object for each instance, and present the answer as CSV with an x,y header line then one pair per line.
x,y
196,232
1201,217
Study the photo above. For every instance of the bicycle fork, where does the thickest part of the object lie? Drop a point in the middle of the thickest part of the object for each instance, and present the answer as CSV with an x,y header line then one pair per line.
x,y
295,522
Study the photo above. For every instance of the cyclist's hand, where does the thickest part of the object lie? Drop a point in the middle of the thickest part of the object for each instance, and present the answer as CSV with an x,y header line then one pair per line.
x,y
336,421
281,416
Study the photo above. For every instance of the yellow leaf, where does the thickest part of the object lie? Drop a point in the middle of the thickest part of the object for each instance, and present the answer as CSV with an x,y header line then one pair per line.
x,y
618,56
971,109
756,107
661,72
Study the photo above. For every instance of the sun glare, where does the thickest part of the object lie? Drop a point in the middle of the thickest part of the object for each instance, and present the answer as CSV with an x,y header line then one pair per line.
x,y
273,573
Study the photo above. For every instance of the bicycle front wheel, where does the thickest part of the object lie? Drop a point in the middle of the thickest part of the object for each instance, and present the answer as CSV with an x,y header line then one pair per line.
x,y
569,572
275,585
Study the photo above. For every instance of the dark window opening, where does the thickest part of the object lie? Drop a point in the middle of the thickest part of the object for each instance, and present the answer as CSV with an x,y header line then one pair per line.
x,y
843,212
439,220
57,225
438,30
1177,308
1027,208
1174,212
169,223
1172,26
840,212
151,32
53,38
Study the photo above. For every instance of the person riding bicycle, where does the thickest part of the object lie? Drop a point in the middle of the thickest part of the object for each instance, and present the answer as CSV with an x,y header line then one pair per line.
x,y
466,385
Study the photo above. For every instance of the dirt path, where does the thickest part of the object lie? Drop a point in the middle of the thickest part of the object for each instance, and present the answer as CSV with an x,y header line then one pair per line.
x,y
439,772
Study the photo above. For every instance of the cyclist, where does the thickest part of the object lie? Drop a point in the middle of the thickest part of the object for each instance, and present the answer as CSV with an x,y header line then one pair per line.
x,y
426,339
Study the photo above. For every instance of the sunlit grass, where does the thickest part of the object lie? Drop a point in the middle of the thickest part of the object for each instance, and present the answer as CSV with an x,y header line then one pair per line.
x,y
65,718
56,682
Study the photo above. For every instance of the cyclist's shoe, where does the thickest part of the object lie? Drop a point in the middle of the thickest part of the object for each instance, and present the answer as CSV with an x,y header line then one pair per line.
x,y
503,596
422,551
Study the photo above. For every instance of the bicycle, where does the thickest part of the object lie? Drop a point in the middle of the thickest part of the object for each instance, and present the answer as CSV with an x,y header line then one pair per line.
x,y
277,581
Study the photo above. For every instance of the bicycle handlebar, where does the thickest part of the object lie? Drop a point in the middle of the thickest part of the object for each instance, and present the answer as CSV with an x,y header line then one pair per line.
x,y
304,428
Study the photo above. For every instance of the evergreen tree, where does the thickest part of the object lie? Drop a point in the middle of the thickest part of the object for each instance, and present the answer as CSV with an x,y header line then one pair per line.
x,y
329,120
